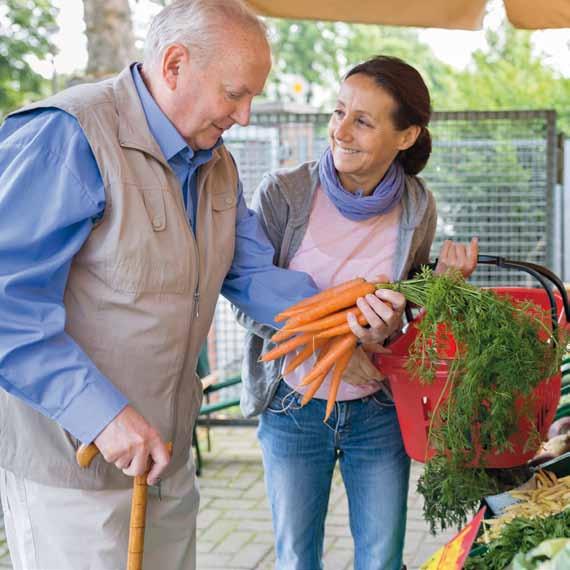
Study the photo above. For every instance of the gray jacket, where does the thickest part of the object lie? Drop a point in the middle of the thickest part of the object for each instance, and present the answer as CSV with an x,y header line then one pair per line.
x,y
283,204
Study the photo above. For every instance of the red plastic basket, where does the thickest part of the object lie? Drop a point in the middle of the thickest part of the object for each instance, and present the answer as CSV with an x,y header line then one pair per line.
x,y
416,402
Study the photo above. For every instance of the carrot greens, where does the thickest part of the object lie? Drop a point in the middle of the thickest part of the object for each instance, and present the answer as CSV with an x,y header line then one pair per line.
x,y
503,352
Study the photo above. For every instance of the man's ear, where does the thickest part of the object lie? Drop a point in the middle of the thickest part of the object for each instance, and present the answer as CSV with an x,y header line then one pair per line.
x,y
409,136
174,56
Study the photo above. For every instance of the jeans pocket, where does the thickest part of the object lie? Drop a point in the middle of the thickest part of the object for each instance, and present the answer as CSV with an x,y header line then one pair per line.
x,y
383,399
285,400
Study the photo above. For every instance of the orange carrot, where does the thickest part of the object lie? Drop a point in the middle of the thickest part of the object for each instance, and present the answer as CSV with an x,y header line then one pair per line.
x,y
306,353
339,369
319,297
340,301
318,380
282,335
287,314
286,347
339,345
328,344
308,395
340,329
325,323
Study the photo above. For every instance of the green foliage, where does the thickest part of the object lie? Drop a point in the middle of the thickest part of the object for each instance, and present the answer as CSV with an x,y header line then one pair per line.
x,y
311,50
321,52
521,534
509,75
26,27
499,358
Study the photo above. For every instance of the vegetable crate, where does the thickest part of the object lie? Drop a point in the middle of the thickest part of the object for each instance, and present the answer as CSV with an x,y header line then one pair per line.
x,y
416,403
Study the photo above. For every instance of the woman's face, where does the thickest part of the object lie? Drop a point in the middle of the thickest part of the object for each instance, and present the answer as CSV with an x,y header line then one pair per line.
x,y
362,136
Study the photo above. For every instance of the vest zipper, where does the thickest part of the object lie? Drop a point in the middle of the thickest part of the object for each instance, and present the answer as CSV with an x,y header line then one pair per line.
x,y
197,302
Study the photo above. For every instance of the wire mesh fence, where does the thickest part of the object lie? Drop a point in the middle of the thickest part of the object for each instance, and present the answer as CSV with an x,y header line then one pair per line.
x,y
492,173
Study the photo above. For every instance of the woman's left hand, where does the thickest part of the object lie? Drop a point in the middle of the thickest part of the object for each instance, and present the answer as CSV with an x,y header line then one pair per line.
x,y
383,311
458,256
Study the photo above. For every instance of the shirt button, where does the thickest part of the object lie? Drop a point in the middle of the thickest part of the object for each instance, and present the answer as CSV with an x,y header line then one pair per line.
x,y
156,223
229,201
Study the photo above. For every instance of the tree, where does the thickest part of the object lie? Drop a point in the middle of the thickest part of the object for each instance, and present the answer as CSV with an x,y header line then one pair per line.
x,y
26,28
366,41
320,52
509,75
110,38
307,50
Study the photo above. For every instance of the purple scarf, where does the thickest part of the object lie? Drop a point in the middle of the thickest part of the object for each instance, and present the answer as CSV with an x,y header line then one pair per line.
x,y
354,205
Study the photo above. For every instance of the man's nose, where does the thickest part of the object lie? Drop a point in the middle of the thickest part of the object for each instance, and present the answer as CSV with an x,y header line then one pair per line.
x,y
242,113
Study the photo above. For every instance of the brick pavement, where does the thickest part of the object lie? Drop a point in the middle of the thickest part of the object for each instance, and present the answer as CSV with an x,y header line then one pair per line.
x,y
234,526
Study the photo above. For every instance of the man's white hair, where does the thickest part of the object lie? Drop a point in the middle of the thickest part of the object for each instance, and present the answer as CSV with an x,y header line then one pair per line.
x,y
199,25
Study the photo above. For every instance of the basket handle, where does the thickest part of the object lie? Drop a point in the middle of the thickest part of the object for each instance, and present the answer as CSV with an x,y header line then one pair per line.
x,y
540,273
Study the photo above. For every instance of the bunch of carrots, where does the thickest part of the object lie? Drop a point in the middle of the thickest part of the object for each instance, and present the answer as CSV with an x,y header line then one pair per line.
x,y
319,325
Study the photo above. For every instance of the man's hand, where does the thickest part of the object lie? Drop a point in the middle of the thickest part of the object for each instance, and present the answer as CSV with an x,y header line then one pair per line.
x,y
132,444
458,256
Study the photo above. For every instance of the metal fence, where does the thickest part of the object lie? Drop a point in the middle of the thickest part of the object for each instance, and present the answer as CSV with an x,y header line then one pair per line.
x,y
493,175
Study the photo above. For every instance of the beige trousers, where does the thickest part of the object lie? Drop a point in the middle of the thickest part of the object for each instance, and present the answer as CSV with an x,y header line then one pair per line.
x,y
52,528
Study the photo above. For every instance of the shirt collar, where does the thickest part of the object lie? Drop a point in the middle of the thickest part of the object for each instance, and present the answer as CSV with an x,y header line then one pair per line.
x,y
165,133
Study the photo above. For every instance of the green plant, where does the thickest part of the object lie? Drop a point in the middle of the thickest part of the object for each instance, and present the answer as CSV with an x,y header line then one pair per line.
x,y
520,535
501,355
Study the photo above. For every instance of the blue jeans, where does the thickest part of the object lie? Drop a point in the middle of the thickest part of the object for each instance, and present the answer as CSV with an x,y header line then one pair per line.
x,y
299,455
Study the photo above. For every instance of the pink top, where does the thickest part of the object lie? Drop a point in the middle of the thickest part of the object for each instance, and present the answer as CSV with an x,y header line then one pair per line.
x,y
336,249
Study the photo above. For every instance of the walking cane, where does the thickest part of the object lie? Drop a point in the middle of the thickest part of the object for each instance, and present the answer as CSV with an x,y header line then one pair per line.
x,y
84,456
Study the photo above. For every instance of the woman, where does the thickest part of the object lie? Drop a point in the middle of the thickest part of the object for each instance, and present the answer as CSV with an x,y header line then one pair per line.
x,y
359,211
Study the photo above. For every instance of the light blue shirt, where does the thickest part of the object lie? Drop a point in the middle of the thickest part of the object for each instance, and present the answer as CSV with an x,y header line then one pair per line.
x,y
51,192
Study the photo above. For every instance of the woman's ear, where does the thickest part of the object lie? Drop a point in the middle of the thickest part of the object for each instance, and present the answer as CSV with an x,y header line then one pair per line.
x,y
409,136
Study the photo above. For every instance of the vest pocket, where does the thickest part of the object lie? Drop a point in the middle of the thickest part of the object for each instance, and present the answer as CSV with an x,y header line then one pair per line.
x,y
151,250
224,201
154,203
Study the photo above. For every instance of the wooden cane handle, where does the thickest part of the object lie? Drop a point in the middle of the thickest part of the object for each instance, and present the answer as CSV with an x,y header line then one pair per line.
x,y
85,454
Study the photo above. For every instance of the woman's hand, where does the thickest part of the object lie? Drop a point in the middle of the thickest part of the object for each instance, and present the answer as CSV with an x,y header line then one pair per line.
x,y
383,311
458,256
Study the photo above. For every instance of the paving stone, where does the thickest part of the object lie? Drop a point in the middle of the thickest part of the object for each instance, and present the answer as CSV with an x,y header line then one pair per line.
x,y
264,537
250,556
344,542
218,530
203,546
337,530
414,539
207,517
234,542
257,525
256,514
338,559
212,561
217,492
256,491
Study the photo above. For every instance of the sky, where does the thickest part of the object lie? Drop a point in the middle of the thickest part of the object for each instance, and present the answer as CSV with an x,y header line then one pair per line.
x,y
451,46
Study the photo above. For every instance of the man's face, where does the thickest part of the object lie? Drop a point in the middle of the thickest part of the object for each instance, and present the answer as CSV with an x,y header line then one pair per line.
x,y
209,96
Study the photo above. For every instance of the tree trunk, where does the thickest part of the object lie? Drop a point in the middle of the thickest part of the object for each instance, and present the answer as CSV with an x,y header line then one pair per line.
x,y
110,38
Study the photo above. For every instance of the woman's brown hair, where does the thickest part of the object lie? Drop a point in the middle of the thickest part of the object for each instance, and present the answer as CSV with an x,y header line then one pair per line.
x,y
413,105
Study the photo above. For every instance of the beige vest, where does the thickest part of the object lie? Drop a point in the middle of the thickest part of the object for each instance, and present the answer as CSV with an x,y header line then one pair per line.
x,y
141,292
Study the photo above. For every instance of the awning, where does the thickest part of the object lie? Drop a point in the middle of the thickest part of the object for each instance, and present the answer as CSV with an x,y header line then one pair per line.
x,y
452,14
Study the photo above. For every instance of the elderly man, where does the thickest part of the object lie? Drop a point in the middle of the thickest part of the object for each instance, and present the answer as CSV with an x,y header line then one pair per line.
x,y
122,220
